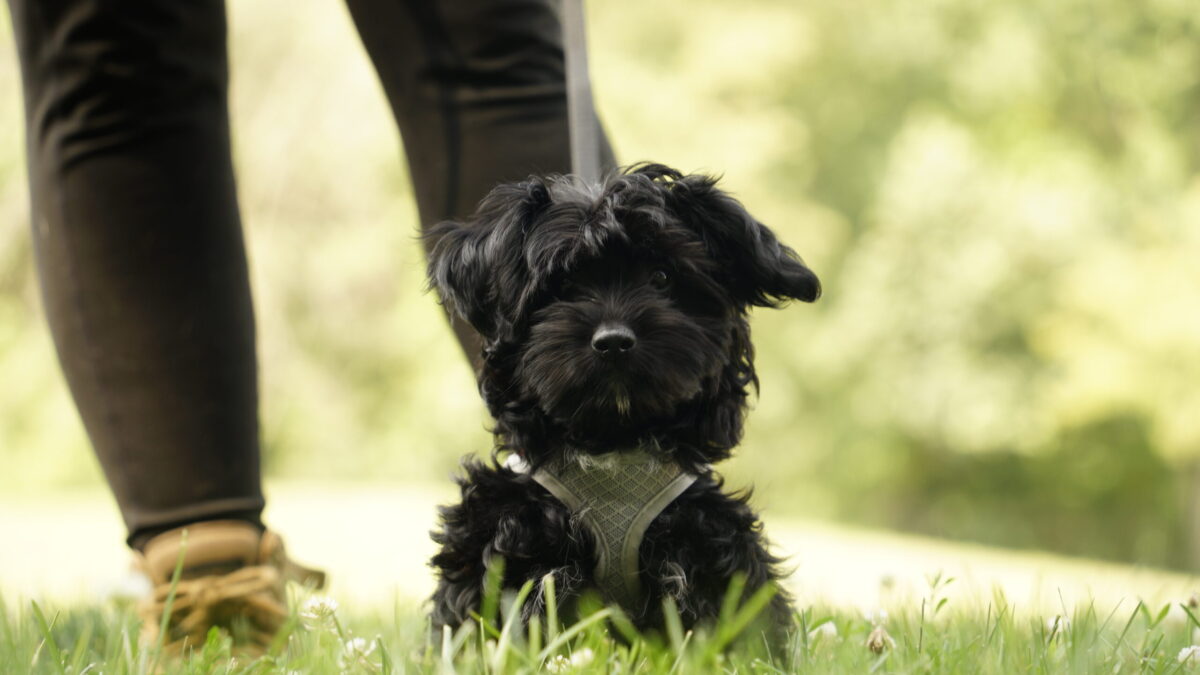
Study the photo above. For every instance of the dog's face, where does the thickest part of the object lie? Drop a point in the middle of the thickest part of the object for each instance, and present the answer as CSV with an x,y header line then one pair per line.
x,y
623,339
615,316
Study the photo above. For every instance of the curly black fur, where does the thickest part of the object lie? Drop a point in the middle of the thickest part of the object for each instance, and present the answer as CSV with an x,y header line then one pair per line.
x,y
540,268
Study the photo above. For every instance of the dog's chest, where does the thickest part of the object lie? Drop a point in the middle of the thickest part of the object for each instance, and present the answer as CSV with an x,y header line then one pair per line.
x,y
616,496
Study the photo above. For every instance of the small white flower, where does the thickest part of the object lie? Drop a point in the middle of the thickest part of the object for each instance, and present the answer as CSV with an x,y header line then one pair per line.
x,y
582,657
876,617
355,651
827,630
318,609
562,664
1190,655
359,647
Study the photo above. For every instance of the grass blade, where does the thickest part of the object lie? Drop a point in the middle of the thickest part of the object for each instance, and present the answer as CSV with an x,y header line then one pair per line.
x,y
385,659
503,644
674,624
81,648
728,631
679,653
169,605
48,636
491,591
551,593
625,627
571,632
733,597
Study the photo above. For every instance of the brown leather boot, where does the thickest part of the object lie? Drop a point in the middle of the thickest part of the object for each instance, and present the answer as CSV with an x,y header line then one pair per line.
x,y
233,577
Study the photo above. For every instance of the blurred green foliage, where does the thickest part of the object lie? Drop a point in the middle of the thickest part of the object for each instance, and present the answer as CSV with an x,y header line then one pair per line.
x,y
1002,200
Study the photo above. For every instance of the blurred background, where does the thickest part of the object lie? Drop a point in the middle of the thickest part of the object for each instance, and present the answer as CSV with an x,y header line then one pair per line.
x,y
1002,200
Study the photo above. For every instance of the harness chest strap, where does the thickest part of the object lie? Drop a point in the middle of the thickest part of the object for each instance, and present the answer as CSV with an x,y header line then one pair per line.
x,y
616,496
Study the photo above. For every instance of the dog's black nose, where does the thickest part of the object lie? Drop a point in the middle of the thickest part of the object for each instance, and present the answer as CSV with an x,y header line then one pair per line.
x,y
613,338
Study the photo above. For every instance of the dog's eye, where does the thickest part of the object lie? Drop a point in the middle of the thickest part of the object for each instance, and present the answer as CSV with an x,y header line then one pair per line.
x,y
660,279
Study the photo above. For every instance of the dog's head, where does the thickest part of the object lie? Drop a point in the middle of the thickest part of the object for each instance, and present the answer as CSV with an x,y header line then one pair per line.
x,y
615,316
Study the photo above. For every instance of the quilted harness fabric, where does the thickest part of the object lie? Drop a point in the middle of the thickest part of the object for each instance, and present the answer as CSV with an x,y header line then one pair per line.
x,y
616,496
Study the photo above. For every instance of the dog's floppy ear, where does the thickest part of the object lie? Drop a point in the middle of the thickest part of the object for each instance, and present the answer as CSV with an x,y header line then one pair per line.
x,y
764,272
457,271
477,266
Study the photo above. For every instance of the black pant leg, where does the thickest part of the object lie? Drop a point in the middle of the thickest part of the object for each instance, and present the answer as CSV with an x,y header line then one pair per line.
x,y
478,90
139,249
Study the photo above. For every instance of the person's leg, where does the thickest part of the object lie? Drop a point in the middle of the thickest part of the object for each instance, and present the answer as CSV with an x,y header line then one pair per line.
x,y
477,88
139,250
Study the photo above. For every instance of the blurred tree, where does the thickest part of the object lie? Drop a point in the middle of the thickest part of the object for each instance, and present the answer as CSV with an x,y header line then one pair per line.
x,y
1023,182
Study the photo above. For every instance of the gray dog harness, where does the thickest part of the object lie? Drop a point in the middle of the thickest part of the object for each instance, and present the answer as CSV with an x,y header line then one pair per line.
x,y
616,496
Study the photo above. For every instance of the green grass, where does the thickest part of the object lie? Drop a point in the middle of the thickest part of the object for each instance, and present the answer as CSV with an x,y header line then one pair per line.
x,y
934,636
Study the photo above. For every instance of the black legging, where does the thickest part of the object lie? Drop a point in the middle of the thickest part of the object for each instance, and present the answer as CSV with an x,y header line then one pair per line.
x,y
135,216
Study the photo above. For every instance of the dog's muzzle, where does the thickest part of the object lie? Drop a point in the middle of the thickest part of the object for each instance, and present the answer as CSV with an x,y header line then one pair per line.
x,y
613,339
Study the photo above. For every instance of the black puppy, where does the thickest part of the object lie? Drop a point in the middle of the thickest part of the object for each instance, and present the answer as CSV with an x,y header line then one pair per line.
x,y
616,362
